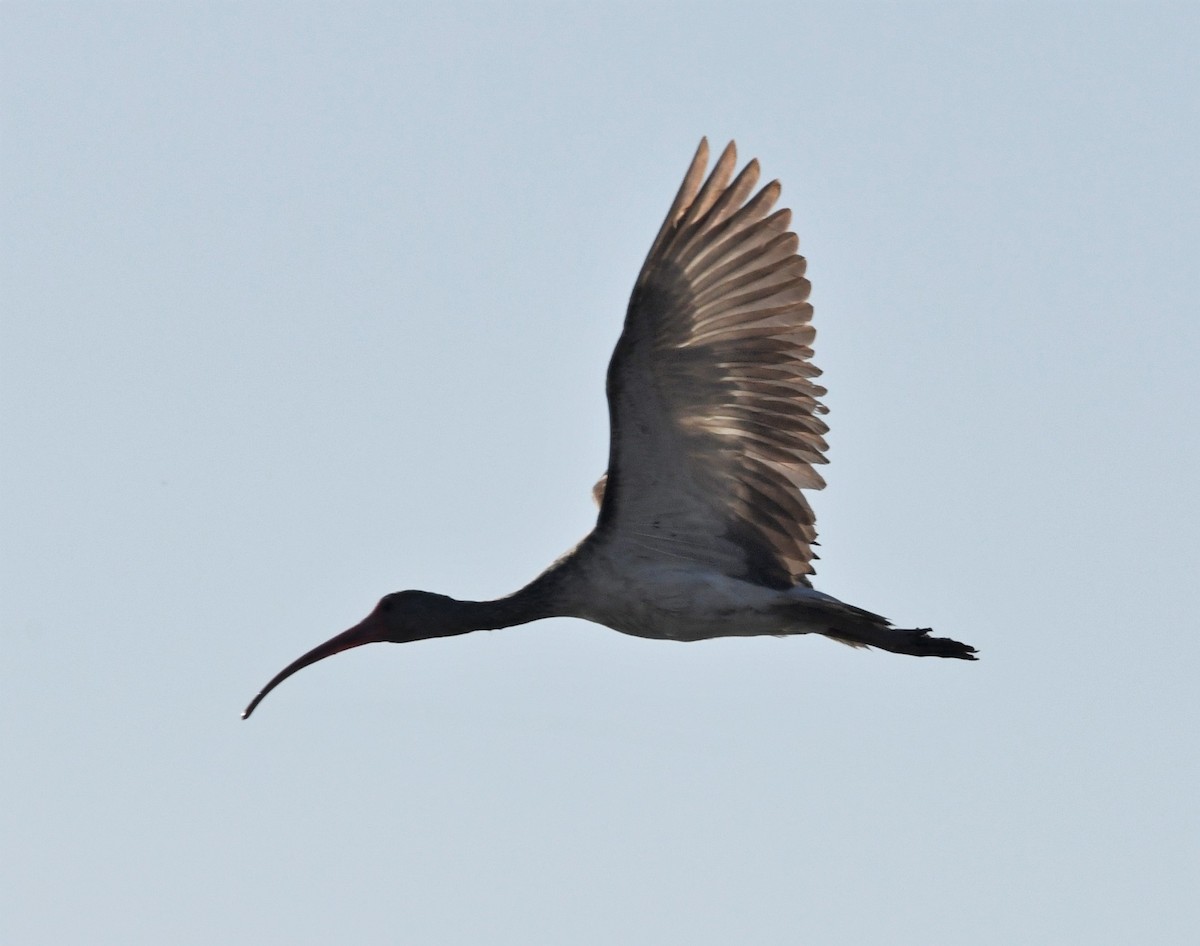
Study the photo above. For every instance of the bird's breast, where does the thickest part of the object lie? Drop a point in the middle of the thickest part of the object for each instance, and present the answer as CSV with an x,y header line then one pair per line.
x,y
676,602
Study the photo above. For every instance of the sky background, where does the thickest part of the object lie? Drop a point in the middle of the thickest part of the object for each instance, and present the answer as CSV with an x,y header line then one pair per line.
x,y
304,304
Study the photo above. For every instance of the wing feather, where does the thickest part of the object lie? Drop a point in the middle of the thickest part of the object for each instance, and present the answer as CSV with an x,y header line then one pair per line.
x,y
714,414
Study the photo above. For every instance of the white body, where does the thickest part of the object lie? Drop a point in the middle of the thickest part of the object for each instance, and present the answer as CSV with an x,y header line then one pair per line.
x,y
646,597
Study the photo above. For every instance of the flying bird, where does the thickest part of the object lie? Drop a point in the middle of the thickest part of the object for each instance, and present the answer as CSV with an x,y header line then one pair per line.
x,y
715,430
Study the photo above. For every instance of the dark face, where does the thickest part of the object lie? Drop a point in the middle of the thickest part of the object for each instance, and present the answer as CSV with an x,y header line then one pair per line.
x,y
406,616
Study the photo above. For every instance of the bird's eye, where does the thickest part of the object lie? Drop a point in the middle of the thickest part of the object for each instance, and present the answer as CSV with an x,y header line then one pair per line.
x,y
386,604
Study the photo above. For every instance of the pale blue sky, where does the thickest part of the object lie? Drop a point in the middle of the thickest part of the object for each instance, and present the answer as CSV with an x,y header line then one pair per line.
x,y
304,304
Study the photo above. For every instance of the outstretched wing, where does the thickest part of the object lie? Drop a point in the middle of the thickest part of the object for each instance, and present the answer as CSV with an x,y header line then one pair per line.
x,y
712,406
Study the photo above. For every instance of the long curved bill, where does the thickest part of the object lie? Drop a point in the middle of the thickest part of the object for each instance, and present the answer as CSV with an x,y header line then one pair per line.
x,y
365,633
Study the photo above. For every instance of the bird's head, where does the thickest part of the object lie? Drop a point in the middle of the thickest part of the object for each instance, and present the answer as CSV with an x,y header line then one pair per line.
x,y
400,617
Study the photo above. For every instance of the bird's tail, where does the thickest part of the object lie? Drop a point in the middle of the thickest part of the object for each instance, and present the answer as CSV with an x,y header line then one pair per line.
x,y
860,628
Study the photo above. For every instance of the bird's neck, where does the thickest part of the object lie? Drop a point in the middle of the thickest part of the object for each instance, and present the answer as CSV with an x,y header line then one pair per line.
x,y
531,603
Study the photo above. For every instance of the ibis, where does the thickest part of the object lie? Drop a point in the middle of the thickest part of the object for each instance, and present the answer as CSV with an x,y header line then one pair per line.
x,y
715,431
